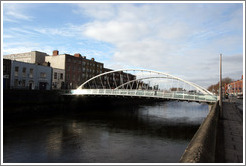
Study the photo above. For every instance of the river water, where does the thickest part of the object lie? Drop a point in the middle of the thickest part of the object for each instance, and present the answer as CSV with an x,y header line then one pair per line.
x,y
157,133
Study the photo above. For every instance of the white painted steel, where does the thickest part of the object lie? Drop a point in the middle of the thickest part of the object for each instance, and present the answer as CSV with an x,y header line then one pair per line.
x,y
147,94
201,89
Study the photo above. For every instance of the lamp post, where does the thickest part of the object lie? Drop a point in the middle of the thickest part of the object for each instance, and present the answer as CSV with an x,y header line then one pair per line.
x,y
220,86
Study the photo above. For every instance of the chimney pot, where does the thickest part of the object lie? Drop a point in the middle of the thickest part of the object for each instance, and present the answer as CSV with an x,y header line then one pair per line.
x,y
78,55
55,52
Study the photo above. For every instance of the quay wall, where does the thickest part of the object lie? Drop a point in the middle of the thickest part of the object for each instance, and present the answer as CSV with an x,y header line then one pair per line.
x,y
21,104
202,147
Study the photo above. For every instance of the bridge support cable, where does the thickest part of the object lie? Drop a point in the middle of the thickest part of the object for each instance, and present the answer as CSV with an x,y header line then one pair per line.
x,y
108,83
101,82
89,85
95,84
114,80
128,80
169,84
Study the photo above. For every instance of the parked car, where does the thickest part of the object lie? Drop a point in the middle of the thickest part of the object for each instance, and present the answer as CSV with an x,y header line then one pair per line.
x,y
240,96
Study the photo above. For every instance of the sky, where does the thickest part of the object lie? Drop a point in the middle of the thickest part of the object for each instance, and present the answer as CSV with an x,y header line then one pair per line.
x,y
181,39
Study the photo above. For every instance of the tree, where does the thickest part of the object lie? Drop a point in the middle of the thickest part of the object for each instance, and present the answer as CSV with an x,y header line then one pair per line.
x,y
215,87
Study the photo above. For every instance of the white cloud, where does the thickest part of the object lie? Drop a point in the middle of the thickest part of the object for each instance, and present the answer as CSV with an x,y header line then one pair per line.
x,y
13,12
21,47
180,39
99,11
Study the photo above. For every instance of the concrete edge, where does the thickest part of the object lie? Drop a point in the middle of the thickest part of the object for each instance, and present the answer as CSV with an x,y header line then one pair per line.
x,y
201,149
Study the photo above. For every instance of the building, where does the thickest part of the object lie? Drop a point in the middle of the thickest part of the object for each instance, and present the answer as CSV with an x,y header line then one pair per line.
x,y
58,81
77,68
235,87
35,57
6,73
113,80
30,76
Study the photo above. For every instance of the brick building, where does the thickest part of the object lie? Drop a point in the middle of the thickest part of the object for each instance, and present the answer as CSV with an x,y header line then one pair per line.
x,y
77,68
235,87
116,79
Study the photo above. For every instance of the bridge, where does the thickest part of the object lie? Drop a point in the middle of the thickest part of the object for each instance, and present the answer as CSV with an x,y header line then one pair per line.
x,y
144,83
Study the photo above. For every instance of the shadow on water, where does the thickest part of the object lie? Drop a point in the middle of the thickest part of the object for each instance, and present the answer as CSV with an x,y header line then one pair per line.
x,y
95,130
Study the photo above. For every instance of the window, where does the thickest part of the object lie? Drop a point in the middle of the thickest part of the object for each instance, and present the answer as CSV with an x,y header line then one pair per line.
x,y
31,73
24,72
61,76
55,75
4,68
23,83
43,75
16,70
16,82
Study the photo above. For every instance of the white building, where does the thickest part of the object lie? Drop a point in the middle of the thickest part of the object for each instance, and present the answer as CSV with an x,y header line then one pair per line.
x,y
30,76
35,57
58,81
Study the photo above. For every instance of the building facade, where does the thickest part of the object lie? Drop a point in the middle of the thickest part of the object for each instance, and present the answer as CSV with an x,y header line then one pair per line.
x,y
6,73
30,76
235,87
113,80
35,57
58,81
77,68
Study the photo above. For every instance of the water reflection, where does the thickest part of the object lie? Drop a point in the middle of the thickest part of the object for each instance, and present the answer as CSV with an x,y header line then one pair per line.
x,y
142,134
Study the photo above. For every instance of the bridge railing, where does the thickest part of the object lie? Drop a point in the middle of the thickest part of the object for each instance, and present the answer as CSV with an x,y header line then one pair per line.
x,y
147,93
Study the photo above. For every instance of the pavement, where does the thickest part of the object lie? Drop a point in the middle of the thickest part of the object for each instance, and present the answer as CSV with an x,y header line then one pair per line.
x,y
229,147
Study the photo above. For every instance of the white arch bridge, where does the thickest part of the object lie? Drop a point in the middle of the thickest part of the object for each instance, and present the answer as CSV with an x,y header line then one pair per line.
x,y
144,83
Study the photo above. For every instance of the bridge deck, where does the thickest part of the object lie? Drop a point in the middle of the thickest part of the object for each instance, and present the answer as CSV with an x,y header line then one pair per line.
x,y
147,93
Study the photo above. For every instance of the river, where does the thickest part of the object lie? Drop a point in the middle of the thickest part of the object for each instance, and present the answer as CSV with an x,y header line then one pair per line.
x,y
153,133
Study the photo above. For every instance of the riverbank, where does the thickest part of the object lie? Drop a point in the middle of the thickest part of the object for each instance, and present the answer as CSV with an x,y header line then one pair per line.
x,y
24,104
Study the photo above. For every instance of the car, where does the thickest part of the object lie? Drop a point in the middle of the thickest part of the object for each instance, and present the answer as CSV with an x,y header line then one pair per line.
x,y
240,96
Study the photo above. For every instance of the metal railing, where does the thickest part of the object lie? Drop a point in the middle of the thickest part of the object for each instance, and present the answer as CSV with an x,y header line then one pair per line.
x,y
147,93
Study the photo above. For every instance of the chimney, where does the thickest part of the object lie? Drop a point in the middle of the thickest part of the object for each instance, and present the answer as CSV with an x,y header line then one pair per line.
x,y
92,59
55,52
78,55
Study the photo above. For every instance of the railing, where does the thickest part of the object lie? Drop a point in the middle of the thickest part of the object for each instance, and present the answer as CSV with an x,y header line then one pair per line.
x,y
147,93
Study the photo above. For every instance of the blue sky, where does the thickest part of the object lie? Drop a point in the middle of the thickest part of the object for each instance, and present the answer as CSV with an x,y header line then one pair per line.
x,y
182,39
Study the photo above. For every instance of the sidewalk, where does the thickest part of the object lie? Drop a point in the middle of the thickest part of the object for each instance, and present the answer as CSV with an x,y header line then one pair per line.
x,y
229,147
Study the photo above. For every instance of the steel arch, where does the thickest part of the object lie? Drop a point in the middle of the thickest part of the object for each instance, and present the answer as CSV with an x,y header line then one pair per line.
x,y
201,89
